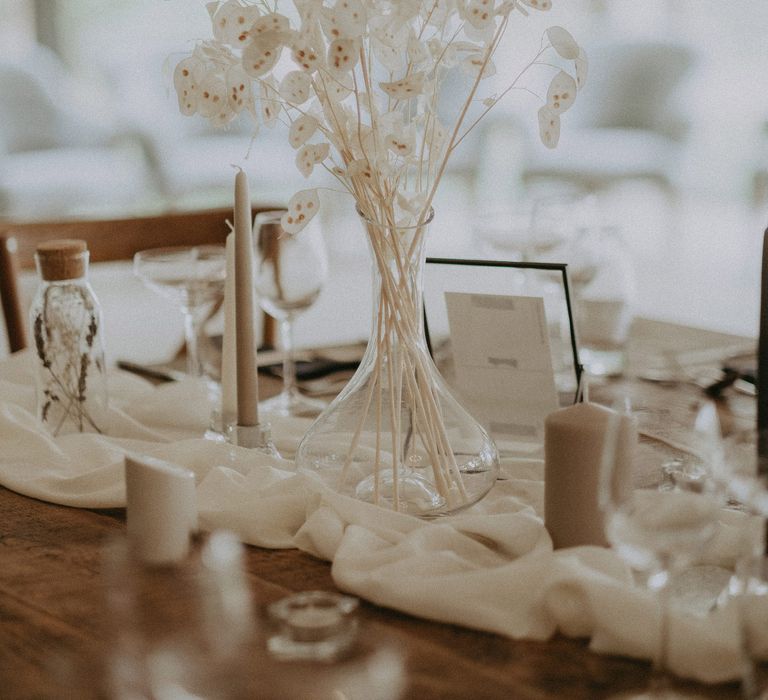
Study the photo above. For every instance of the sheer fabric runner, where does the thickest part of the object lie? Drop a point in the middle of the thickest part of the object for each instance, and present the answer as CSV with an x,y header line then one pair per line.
x,y
491,567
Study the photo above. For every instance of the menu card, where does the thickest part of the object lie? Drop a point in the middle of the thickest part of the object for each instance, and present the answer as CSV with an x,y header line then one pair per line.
x,y
503,365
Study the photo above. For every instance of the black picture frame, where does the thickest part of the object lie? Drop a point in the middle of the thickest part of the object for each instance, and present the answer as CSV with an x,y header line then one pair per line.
x,y
561,268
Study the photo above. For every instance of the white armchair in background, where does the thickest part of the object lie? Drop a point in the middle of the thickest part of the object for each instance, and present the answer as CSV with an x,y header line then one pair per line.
x,y
626,124
58,158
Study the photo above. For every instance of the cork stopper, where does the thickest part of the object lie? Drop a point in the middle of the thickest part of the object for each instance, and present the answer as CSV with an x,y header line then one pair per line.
x,y
63,259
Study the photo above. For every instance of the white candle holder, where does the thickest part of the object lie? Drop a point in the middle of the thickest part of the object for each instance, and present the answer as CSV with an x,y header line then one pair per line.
x,y
255,437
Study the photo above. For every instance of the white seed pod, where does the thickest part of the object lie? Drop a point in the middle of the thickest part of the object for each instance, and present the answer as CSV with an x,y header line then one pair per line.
x,y
188,71
239,89
549,127
185,81
436,48
309,155
406,10
261,56
480,13
225,115
360,169
412,203
418,53
351,15
543,5
404,89
188,100
345,20
401,144
302,208
212,95
268,104
582,69
232,21
302,130
309,10
389,42
561,93
305,56
342,55
338,87
295,87
391,122
563,42
391,57
273,23
473,64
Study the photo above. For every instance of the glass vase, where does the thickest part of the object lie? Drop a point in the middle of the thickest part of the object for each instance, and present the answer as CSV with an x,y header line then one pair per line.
x,y
395,435
65,316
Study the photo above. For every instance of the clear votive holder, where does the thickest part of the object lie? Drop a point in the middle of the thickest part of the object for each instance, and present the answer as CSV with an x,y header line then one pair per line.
x,y
315,626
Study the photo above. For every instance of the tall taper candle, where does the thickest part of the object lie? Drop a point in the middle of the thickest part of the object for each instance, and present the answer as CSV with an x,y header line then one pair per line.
x,y
229,343
247,379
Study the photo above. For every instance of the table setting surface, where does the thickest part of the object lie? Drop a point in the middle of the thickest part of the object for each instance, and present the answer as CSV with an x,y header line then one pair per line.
x,y
52,620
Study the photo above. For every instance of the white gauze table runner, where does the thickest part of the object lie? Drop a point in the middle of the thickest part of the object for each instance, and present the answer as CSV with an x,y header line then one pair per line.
x,y
491,567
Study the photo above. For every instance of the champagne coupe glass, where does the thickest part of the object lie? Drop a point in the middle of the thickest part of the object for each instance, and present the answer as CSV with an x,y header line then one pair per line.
x,y
662,531
290,272
193,278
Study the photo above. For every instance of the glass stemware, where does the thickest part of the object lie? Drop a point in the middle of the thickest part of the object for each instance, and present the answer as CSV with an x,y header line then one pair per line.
x,y
571,229
193,278
747,490
663,531
290,272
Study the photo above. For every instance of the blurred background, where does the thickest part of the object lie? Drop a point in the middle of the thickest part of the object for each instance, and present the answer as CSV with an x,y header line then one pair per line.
x,y
664,154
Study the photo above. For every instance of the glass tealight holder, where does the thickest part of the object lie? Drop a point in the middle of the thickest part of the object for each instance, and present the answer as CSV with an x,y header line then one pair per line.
x,y
313,626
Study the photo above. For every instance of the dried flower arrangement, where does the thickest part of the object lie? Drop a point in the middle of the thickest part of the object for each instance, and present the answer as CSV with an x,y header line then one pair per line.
x,y
359,88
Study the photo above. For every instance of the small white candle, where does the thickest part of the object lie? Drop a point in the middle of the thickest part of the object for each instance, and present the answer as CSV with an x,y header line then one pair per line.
x,y
247,377
161,509
574,441
229,343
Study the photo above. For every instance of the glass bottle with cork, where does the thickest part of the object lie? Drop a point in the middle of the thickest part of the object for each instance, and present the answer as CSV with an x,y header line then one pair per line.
x,y
66,322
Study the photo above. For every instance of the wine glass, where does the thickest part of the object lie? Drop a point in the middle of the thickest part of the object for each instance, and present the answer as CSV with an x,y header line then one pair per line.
x,y
291,269
662,531
192,277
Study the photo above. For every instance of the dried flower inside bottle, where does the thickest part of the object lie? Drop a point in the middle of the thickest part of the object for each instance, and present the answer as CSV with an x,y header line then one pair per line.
x,y
66,320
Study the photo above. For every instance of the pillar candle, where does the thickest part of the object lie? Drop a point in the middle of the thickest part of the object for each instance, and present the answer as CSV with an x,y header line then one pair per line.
x,y
574,442
161,509
229,343
247,378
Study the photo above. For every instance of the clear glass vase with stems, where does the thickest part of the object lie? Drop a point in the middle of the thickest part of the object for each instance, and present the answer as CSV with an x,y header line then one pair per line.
x,y
395,435
661,532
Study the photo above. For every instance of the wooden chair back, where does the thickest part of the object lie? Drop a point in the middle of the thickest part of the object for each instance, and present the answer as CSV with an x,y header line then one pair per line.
x,y
108,240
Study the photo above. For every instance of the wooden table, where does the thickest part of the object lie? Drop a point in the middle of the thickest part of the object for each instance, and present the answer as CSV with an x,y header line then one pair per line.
x,y
53,620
